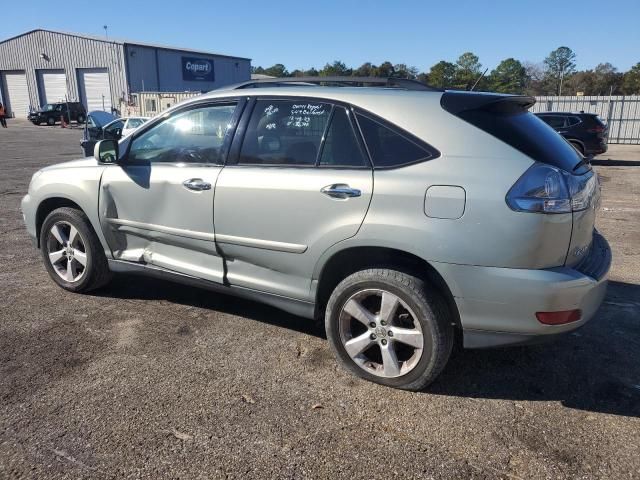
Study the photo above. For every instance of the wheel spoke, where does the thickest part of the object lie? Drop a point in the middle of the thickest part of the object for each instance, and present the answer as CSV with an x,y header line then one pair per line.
x,y
81,257
73,233
407,336
359,344
357,311
70,274
390,363
55,257
59,235
388,307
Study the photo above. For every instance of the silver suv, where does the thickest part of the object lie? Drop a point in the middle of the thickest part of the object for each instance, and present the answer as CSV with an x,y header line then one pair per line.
x,y
405,217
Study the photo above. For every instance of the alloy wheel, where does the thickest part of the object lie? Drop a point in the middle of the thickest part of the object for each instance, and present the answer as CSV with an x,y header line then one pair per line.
x,y
66,251
381,333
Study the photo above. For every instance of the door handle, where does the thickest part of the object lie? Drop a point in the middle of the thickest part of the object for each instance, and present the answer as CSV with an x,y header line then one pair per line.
x,y
196,184
340,190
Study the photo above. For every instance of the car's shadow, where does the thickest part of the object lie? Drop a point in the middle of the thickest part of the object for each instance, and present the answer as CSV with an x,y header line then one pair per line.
x,y
596,368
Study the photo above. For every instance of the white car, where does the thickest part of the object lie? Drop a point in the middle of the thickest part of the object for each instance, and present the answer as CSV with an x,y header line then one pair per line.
x,y
122,127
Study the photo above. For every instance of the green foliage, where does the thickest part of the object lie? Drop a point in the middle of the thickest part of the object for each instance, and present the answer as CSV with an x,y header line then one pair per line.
x,y
631,84
509,76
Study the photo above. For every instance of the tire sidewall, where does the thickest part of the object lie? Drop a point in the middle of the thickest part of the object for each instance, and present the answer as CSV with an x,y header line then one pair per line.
x,y
423,310
88,239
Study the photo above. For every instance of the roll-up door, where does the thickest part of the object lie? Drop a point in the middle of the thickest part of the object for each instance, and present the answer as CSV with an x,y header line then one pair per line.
x,y
17,94
95,89
52,85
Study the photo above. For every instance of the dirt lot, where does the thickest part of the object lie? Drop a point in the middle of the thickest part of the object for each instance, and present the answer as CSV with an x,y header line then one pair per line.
x,y
146,379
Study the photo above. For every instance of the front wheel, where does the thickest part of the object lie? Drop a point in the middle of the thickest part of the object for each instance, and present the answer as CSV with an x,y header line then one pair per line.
x,y
51,121
389,327
72,253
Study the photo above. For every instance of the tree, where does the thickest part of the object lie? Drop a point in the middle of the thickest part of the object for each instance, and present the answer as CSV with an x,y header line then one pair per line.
x,y
312,72
607,79
509,76
559,64
364,70
400,70
384,70
259,70
442,74
631,85
468,70
534,79
277,70
336,69
297,73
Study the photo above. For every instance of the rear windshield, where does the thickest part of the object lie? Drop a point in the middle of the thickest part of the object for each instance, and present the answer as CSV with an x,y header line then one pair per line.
x,y
525,132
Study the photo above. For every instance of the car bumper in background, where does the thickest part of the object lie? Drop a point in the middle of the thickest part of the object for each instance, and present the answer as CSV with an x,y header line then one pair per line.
x,y
498,306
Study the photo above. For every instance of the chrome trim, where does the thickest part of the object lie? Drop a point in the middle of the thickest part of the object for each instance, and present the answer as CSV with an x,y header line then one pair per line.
x,y
264,244
161,228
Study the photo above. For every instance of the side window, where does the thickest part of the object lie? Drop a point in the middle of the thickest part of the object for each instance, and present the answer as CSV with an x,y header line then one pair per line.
x,y
571,121
192,136
389,148
284,132
341,147
114,126
553,121
134,122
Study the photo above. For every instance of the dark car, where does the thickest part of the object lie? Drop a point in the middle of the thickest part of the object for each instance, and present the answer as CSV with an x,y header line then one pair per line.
x,y
51,113
94,130
585,131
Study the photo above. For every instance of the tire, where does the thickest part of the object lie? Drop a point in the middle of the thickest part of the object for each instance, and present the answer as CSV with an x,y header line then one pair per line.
x,y
51,121
578,147
85,246
80,119
414,367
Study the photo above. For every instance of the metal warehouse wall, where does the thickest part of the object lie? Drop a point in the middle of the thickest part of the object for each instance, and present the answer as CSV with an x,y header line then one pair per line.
x,y
155,69
64,51
620,112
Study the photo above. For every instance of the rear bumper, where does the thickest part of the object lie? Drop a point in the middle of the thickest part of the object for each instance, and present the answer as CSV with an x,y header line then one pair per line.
x,y
498,306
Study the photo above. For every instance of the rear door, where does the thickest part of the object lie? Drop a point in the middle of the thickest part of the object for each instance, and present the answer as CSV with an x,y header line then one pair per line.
x,y
298,181
156,207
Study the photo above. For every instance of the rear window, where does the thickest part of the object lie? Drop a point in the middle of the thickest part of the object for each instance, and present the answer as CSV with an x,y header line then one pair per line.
x,y
389,147
508,119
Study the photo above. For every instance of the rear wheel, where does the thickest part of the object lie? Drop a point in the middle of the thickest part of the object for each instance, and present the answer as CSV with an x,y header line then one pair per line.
x,y
80,119
72,253
389,327
51,121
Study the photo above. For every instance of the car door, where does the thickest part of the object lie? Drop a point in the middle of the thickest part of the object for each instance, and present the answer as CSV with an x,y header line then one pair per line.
x,y
156,205
297,182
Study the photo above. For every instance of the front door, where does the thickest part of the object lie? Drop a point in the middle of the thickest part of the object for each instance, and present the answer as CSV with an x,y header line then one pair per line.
x,y
299,184
156,206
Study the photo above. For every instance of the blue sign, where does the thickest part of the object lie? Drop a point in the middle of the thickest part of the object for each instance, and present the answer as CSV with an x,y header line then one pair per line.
x,y
197,69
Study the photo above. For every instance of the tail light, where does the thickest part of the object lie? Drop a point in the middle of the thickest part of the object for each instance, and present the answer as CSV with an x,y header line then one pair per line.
x,y
559,318
596,129
547,189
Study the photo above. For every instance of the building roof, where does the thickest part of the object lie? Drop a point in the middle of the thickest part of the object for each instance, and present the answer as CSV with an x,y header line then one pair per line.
x,y
124,42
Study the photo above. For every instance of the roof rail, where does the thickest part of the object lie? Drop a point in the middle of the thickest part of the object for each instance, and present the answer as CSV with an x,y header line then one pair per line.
x,y
403,83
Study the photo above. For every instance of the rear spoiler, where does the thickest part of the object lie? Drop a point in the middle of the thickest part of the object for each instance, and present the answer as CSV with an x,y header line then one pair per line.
x,y
457,102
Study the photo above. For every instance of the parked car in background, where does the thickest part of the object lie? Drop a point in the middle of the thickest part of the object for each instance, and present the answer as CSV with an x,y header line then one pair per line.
x,y
122,127
50,114
480,226
94,130
585,131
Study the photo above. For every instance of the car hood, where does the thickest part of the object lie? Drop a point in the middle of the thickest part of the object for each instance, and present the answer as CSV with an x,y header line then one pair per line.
x,y
81,163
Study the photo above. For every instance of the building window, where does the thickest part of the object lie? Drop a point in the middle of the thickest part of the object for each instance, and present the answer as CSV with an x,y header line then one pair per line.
x,y
150,104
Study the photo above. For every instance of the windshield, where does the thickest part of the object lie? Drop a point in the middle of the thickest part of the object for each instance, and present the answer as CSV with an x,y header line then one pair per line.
x,y
48,107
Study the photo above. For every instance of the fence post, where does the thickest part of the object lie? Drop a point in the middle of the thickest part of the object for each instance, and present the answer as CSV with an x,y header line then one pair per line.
x,y
621,117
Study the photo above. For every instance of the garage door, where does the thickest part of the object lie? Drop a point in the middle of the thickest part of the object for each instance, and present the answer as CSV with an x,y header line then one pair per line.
x,y
95,90
17,93
52,85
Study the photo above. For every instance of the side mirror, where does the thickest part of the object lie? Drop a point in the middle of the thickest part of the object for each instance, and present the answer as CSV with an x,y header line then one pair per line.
x,y
106,151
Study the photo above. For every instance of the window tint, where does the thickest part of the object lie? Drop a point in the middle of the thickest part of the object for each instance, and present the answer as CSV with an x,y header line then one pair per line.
x,y
572,121
387,147
553,121
341,147
194,136
283,132
119,124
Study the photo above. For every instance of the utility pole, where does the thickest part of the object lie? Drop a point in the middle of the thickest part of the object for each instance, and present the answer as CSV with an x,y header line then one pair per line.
x,y
106,33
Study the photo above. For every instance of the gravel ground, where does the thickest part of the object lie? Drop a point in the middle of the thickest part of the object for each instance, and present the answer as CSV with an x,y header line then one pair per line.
x,y
146,379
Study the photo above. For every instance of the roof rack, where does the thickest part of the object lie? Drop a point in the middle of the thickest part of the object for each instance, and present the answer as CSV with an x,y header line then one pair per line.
x,y
403,83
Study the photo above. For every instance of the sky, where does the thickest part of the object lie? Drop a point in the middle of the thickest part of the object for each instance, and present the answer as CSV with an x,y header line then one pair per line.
x,y
303,34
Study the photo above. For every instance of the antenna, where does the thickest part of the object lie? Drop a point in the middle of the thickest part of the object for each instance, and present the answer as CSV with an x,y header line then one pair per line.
x,y
106,33
479,78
